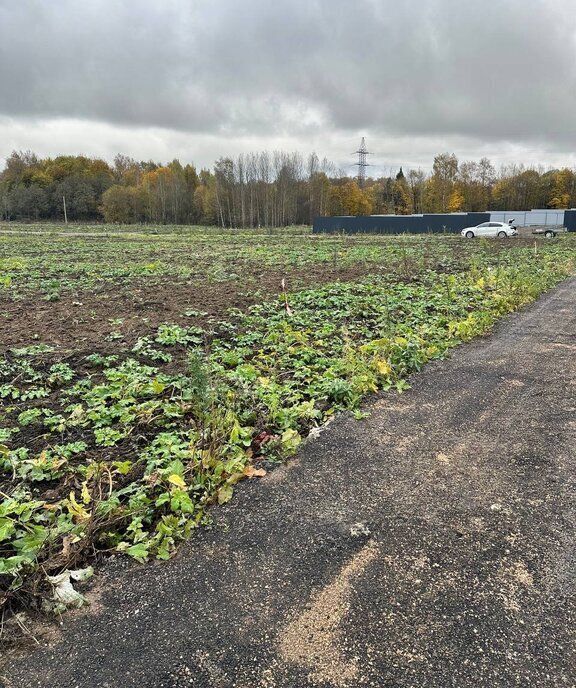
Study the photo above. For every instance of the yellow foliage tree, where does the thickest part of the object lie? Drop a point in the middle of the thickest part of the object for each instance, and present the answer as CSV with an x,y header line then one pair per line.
x,y
402,197
456,201
563,189
350,199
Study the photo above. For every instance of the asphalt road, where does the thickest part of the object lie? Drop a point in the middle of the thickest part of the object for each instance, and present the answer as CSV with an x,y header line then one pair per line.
x,y
429,546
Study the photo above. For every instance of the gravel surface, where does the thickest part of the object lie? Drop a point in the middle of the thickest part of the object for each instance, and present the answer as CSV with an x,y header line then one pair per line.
x,y
428,546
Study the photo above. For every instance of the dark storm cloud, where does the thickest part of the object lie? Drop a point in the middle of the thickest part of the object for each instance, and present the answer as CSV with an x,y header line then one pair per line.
x,y
492,70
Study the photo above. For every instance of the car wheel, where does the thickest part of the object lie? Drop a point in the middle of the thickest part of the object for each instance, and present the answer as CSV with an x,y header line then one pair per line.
x,y
469,235
502,235
549,234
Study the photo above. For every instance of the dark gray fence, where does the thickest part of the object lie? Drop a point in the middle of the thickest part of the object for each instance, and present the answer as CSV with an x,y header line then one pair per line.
x,y
398,224
414,224
570,220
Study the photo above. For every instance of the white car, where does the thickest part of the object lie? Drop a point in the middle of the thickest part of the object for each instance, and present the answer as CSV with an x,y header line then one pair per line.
x,y
490,229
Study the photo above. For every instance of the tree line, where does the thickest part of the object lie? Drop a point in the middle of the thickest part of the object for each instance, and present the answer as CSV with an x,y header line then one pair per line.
x,y
267,189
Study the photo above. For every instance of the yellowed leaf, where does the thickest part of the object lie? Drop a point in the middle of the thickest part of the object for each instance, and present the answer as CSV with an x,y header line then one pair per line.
x,y
225,494
76,509
85,493
383,367
175,479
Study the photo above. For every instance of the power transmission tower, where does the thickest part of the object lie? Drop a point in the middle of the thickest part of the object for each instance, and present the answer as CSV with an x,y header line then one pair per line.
x,y
362,152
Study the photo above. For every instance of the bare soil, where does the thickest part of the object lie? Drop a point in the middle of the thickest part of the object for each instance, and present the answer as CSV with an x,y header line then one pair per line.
x,y
79,322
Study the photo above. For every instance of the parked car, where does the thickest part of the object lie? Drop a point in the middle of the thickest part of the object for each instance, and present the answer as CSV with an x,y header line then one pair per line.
x,y
490,229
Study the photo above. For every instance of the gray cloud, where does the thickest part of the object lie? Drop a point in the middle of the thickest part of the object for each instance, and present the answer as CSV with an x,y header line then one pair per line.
x,y
481,75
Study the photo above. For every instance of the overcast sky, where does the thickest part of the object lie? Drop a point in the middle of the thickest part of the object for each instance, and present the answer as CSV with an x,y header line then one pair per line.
x,y
199,79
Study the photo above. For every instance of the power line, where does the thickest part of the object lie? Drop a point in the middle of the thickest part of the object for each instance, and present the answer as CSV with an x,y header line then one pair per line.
x,y
362,164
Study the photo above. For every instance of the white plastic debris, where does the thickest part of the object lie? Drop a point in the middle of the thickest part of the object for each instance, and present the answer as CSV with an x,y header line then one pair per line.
x,y
64,594
315,433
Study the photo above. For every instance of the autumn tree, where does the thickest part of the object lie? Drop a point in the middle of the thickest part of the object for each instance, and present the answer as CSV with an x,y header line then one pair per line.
x,y
416,183
34,188
456,201
401,195
349,199
127,171
563,189
124,204
205,201
475,181
444,172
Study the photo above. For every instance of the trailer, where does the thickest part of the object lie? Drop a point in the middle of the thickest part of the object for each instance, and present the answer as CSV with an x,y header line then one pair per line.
x,y
549,231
